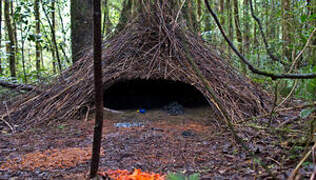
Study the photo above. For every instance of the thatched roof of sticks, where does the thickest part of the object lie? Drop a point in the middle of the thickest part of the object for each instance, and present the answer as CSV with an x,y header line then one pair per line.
x,y
150,47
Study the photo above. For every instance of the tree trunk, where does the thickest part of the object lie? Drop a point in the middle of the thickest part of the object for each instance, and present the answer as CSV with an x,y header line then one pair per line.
x,y
22,54
81,27
37,39
199,11
246,26
222,12
97,52
222,19
312,12
107,25
126,11
54,26
255,40
208,25
1,36
286,26
273,28
190,14
63,31
10,45
14,27
238,33
230,22
53,37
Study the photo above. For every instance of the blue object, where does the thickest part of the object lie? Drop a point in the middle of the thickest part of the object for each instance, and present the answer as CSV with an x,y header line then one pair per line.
x,y
141,110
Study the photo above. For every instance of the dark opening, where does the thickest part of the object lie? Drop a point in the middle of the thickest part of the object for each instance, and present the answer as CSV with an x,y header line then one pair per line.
x,y
150,94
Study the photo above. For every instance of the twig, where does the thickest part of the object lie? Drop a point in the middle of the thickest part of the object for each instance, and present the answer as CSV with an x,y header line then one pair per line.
x,y
87,114
273,76
8,124
8,113
112,110
277,162
288,96
313,176
294,172
178,13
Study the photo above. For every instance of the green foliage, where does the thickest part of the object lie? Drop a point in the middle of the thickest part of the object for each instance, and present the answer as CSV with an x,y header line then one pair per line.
x,y
180,176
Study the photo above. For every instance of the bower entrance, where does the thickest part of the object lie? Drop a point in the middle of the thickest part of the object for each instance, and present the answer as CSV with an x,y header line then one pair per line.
x,y
151,94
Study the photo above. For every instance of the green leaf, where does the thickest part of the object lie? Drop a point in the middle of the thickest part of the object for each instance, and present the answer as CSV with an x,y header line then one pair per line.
x,y
179,176
175,176
194,177
306,112
303,18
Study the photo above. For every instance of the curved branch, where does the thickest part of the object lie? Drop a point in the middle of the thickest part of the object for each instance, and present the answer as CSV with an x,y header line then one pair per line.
x,y
269,51
249,65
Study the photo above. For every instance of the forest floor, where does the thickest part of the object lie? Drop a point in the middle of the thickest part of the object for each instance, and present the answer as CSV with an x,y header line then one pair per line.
x,y
190,143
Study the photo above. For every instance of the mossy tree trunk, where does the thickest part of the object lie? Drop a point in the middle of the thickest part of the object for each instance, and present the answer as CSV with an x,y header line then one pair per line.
x,y
37,39
246,37
10,45
81,26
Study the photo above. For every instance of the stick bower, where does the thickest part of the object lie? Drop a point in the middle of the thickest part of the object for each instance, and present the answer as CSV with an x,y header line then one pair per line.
x,y
149,47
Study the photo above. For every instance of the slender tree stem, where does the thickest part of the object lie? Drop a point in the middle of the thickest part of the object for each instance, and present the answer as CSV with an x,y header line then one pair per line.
x,y
97,51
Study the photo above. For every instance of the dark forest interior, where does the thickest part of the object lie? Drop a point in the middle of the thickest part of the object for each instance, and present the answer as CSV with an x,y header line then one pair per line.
x,y
150,94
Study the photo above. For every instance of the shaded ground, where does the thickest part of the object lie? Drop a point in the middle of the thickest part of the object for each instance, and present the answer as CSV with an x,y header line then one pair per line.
x,y
189,143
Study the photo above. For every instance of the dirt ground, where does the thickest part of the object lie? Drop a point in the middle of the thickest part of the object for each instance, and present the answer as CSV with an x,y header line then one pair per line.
x,y
194,142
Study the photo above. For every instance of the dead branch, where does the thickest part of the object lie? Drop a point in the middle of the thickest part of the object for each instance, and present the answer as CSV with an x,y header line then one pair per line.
x,y
10,85
294,172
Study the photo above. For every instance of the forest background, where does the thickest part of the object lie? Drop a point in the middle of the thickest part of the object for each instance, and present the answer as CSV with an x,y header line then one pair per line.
x,y
41,38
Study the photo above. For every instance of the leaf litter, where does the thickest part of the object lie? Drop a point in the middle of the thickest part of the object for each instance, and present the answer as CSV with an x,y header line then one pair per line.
x,y
188,143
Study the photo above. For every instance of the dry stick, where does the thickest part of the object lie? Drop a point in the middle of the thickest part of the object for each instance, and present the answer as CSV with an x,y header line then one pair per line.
x,y
294,172
273,76
7,123
178,14
268,49
87,114
289,95
313,176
